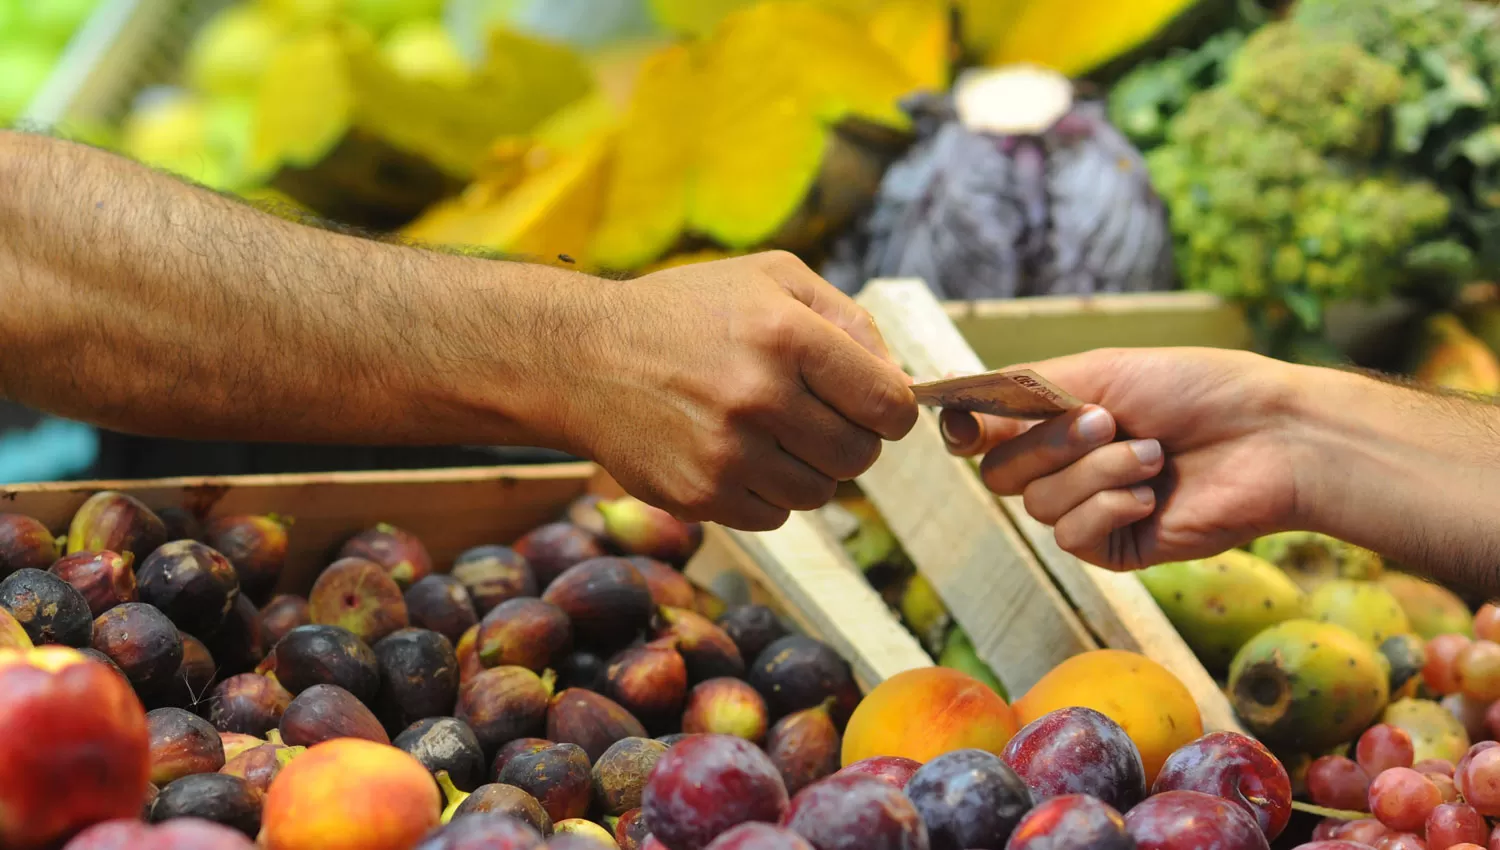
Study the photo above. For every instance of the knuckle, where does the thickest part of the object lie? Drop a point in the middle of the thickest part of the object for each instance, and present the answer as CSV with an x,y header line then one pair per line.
x,y
772,329
893,407
747,398
998,476
816,492
1037,504
854,452
1070,540
781,259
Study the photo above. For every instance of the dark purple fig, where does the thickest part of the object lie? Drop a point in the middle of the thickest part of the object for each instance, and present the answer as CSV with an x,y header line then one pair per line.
x,y
249,703
650,681
324,712
467,651
110,521
182,744
620,775
726,706
557,776
441,603
285,611
515,748
580,834
399,552
260,765
606,599
256,546
25,544
324,655
493,574
553,548
142,642
238,645
223,799
445,744
96,655
584,513
524,632
668,586
797,672
236,743
48,608
152,792
194,678
752,628
497,799
591,721
418,677
805,747
483,831
708,652
503,704
641,529
104,578
191,583
582,669
358,595
181,524
630,830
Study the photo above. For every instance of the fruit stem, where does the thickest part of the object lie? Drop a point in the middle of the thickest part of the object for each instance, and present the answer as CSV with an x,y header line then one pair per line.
x,y
549,681
1321,811
451,793
274,737
826,706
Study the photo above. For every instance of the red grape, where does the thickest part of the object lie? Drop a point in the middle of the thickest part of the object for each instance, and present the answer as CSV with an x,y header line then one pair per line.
x,y
1326,829
1487,622
1478,777
1445,785
1478,670
1364,831
1338,783
1439,672
1402,799
1401,841
1470,713
1466,846
1434,766
1454,823
1494,842
1491,723
1335,844
1467,757
1384,746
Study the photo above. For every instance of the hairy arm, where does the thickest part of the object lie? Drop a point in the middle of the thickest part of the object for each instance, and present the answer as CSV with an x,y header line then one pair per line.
x,y
1408,472
141,303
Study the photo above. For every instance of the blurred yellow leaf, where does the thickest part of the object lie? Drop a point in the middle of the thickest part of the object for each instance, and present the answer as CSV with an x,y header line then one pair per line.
x,y
1077,37
304,104
689,259
696,18
919,34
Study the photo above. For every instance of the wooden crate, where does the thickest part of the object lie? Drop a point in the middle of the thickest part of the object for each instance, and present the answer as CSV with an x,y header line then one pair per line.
x,y
798,569
1026,604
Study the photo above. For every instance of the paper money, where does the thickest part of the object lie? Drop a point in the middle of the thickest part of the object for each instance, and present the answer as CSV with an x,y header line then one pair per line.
x,y
1016,394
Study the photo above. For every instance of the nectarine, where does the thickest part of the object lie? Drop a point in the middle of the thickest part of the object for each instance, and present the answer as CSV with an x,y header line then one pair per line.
x,y
923,713
350,794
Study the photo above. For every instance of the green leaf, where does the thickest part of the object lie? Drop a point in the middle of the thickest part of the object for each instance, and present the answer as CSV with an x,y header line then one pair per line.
x,y
1307,307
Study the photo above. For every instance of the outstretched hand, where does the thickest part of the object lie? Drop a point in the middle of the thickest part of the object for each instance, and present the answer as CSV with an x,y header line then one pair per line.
x,y
1205,466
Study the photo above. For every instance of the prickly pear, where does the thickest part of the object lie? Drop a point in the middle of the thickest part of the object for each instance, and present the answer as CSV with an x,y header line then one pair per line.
x,y
1219,603
1431,609
1311,558
1405,656
1362,607
1435,732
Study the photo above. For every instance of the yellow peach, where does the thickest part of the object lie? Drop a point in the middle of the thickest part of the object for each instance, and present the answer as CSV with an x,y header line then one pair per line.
x,y
921,714
350,794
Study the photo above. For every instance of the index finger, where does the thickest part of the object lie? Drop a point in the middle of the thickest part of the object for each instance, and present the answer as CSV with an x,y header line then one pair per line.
x,y
828,301
868,391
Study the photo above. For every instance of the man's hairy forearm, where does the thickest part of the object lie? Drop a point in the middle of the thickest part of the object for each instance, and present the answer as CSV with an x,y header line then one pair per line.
x,y
1410,473
144,304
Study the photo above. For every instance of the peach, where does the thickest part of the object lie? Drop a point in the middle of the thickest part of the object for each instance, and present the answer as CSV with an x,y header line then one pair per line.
x,y
350,794
920,714
1157,711
74,750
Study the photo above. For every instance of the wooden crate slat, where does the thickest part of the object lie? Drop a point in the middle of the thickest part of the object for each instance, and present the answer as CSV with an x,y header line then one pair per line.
x,y
951,527
1115,607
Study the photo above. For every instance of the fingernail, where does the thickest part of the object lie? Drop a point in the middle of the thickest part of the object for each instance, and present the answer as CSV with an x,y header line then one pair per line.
x,y
1146,451
1094,426
959,427
1144,494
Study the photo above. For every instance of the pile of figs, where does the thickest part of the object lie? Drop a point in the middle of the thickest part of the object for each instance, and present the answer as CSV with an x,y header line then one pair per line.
x,y
536,683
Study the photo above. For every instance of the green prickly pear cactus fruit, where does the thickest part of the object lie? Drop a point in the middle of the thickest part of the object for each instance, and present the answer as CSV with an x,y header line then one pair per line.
x,y
1312,559
1431,609
1362,607
1303,685
1219,603
1435,732
1405,656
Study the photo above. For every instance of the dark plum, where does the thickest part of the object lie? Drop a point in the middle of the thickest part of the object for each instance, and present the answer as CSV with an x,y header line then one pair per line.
x,y
726,706
504,703
805,747
591,721
514,748
557,776
359,596
191,583
249,703
606,599
856,813
483,831
551,549
706,649
707,784
493,574
25,544
524,632
582,669
238,645
968,799
759,836
441,603
1192,820
797,672
223,799
668,586
182,744
285,611
400,553
619,776
752,628
1078,751
650,681
1071,822
418,677
105,579
324,655
1237,768
116,522
48,608
255,546
445,743
897,770
142,641
495,798
324,712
